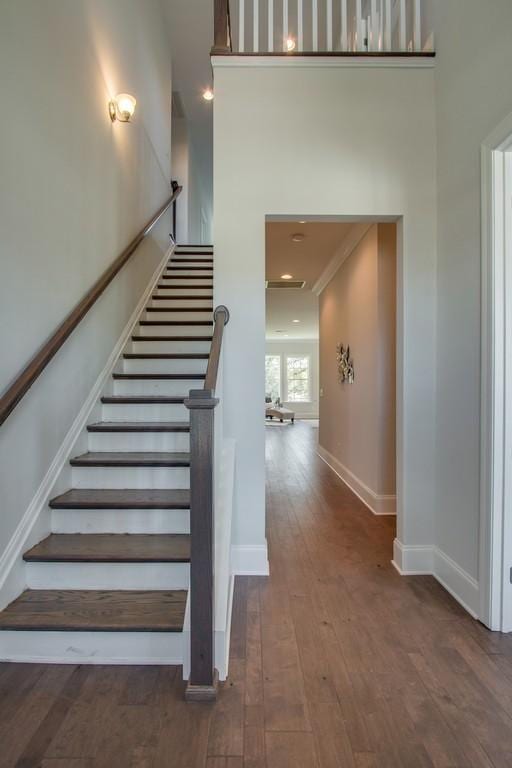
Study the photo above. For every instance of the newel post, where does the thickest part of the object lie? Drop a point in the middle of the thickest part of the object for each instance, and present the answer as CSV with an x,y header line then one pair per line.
x,y
202,683
221,27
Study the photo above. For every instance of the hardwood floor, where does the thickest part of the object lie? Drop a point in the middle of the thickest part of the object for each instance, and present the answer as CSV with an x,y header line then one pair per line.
x,y
336,662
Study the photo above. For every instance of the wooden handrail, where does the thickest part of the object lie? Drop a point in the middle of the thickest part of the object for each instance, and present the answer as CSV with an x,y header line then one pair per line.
x,y
221,318
221,27
201,404
36,366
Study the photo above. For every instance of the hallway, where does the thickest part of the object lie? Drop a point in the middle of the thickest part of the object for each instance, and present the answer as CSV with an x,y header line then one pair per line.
x,y
336,662
360,667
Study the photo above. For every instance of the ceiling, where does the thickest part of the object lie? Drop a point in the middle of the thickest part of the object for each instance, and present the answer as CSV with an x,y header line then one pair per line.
x,y
305,260
190,25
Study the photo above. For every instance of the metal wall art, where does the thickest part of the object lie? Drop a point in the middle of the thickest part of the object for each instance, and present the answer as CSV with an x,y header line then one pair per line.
x,y
345,365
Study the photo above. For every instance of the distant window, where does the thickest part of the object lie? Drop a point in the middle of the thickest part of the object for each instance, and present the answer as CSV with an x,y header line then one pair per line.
x,y
297,379
273,376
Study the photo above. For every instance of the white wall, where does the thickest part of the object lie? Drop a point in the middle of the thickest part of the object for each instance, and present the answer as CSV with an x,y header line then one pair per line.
x,y
180,172
315,140
291,348
74,190
357,421
191,203
473,95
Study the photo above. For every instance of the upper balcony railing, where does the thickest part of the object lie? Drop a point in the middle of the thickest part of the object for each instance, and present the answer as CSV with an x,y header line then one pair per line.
x,y
323,27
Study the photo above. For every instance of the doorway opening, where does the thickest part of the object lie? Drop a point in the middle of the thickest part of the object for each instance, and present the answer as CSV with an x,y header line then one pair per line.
x,y
495,572
331,345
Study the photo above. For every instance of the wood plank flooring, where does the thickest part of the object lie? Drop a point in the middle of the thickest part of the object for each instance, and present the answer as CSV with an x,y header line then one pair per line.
x,y
336,662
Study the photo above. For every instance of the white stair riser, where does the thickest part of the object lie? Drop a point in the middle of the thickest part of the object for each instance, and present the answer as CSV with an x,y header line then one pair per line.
x,y
120,521
176,330
133,477
107,575
139,441
170,347
182,273
155,388
144,413
171,292
92,648
187,248
180,365
188,281
182,301
159,316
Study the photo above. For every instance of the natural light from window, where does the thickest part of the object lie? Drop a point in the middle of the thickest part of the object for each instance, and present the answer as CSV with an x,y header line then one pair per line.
x,y
297,379
273,376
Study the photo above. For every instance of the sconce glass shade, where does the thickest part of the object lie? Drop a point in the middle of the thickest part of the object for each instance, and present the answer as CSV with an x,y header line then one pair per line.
x,y
122,107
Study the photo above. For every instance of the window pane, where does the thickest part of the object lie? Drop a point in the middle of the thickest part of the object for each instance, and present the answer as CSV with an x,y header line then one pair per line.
x,y
297,377
273,376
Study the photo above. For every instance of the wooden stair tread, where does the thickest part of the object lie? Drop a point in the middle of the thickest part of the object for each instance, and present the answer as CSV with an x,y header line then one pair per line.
x,y
170,276
195,297
142,400
122,498
190,261
158,376
144,337
176,322
139,426
167,356
180,287
179,309
206,269
111,548
96,611
132,459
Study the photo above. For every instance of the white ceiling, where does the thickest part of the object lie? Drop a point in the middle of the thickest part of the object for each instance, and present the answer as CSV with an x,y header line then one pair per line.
x,y
304,261
190,25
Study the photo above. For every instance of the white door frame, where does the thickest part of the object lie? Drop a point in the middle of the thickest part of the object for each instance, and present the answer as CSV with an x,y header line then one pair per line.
x,y
495,555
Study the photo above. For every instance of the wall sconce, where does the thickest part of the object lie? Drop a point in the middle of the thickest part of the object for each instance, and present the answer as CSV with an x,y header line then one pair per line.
x,y
122,107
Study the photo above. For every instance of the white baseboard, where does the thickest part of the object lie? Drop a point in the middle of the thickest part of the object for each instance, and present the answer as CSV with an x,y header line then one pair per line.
x,y
34,525
249,560
413,560
463,587
429,560
223,637
379,504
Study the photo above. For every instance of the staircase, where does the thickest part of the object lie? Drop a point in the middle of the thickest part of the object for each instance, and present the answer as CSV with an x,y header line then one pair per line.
x,y
109,584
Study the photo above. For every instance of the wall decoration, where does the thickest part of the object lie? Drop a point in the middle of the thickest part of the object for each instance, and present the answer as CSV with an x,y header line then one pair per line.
x,y
345,365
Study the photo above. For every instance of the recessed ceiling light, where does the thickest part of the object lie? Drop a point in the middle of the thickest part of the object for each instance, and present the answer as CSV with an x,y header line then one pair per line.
x,y
295,321
208,94
290,44
298,237
286,336
286,277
